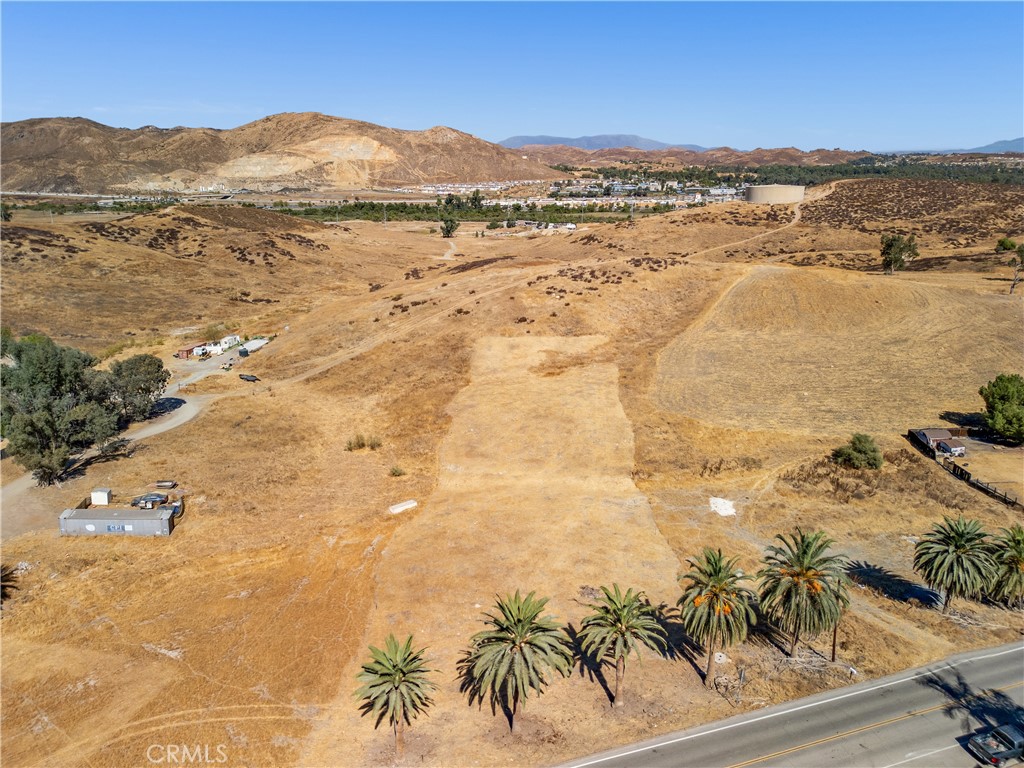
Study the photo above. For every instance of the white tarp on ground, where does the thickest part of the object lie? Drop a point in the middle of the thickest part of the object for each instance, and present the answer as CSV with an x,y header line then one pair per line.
x,y
723,507
399,508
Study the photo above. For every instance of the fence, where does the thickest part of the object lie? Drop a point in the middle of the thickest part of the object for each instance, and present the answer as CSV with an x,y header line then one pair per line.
x,y
956,470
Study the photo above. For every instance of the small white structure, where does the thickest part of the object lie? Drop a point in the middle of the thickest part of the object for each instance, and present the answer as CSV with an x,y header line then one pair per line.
x,y
398,509
101,497
230,341
951,447
723,507
253,344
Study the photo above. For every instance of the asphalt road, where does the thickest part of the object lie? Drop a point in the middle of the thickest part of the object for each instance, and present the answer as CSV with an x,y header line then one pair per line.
x,y
919,718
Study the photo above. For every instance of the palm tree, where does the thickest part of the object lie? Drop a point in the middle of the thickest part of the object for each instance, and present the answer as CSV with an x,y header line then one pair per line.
x,y
504,662
395,686
715,610
8,581
802,585
1008,585
956,557
619,625
842,596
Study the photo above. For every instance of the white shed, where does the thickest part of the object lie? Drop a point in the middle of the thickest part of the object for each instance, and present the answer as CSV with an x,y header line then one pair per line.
x,y
101,497
230,341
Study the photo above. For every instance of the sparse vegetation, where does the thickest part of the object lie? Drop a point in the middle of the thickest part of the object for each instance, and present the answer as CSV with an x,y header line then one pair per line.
x,y
359,441
860,453
397,472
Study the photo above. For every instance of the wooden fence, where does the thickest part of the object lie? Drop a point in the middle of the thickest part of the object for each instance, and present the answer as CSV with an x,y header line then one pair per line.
x,y
959,472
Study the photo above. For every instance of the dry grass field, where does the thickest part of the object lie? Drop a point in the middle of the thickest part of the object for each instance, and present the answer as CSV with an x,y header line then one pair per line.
x,y
562,406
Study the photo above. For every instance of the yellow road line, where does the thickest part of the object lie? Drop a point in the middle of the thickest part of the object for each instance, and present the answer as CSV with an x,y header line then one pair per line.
x,y
857,730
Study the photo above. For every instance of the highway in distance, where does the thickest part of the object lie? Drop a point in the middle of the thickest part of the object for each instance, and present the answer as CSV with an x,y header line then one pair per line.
x,y
919,718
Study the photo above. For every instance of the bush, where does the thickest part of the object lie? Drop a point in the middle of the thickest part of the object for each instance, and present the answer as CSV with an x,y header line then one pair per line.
x,y
360,441
494,225
397,471
860,453
448,227
1005,244
1004,406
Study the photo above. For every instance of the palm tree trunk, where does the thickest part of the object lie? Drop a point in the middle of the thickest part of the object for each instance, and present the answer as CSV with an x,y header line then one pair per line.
x,y
709,673
399,739
620,671
796,639
835,634
946,602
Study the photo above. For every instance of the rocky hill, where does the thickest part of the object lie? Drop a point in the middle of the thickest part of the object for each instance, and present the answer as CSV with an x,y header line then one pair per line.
x,y
290,150
679,157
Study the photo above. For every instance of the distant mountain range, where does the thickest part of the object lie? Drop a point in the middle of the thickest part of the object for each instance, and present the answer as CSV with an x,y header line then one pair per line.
x,y
624,141
602,141
996,147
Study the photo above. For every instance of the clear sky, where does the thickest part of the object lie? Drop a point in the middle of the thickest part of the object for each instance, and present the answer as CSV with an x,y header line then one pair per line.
x,y
866,75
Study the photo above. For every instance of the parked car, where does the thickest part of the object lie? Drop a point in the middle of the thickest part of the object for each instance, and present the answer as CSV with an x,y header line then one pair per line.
x,y
997,745
149,500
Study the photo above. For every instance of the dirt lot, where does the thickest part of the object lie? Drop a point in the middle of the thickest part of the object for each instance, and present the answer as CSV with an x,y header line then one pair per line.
x,y
563,409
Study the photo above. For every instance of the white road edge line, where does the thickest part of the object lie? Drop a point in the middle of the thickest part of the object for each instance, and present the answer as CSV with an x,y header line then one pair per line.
x,y
637,750
925,754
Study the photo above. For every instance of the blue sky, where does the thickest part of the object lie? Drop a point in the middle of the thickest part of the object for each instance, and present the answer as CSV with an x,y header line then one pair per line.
x,y
866,75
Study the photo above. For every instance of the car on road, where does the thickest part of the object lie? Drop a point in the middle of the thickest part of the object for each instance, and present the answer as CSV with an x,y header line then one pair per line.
x,y
997,745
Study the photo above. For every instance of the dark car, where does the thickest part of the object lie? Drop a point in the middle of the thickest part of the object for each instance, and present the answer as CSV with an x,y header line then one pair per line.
x,y
149,500
996,746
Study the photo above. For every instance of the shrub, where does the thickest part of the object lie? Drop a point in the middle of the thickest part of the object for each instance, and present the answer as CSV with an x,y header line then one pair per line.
x,y
860,453
397,471
1004,406
360,441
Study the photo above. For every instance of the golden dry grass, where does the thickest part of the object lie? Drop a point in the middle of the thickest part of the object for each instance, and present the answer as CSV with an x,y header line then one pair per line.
x,y
557,432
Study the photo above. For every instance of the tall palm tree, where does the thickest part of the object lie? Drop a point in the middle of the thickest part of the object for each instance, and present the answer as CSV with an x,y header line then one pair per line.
x,y
395,686
619,625
715,610
956,557
505,662
1008,585
802,585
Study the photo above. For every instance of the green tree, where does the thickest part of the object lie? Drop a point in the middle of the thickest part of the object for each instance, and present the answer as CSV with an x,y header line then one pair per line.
x,y
1016,263
802,585
618,626
956,557
448,227
1008,585
395,686
52,404
715,610
513,656
476,200
5,212
136,384
1004,406
859,453
1005,244
897,251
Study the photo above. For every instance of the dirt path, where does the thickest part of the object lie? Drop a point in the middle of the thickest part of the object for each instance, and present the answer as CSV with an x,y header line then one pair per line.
x,y
535,493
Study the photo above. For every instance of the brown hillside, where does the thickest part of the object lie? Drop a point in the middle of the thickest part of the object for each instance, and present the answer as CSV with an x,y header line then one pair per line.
x,y
561,406
287,150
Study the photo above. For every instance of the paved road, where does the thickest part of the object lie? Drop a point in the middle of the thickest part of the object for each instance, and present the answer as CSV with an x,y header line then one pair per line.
x,y
919,718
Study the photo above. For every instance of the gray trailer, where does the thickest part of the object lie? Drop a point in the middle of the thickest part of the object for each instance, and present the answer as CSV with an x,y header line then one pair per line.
x,y
108,521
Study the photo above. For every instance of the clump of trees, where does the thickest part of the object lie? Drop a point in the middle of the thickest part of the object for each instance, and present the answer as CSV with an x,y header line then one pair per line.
x,y
448,227
56,404
860,453
962,560
1004,406
897,252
